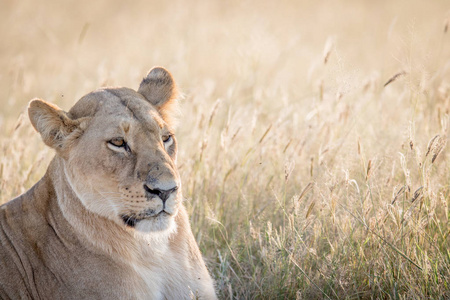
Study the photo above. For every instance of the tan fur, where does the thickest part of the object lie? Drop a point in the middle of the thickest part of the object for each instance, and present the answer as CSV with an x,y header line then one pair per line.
x,y
90,229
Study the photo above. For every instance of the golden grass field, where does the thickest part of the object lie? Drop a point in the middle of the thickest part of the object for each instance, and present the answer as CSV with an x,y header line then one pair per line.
x,y
306,175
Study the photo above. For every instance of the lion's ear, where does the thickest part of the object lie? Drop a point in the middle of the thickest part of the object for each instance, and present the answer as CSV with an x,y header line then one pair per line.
x,y
52,123
159,88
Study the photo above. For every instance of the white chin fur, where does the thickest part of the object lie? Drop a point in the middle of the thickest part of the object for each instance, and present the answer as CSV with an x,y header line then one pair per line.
x,y
157,224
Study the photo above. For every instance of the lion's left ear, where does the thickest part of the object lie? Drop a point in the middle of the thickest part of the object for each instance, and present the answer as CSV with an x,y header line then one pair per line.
x,y
159,88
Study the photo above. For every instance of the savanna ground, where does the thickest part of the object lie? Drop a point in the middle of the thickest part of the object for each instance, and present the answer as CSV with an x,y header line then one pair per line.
x,y
312,138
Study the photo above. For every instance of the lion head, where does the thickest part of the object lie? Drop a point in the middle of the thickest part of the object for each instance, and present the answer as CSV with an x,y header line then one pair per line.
x,y
119,151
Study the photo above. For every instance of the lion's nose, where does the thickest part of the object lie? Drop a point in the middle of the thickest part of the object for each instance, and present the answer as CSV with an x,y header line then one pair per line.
x,y
163,194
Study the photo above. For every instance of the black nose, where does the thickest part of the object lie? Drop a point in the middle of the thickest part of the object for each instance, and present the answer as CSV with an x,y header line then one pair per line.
x,y
163,194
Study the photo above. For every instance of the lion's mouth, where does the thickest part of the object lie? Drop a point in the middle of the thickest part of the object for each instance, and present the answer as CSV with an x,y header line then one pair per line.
x,y
129,220
132,219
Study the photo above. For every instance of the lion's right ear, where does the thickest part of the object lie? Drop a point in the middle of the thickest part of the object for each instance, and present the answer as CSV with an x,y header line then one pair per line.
x,y
51,122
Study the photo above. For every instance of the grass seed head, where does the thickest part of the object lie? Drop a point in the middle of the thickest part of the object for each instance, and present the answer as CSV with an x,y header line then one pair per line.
x,y
395,77
437,148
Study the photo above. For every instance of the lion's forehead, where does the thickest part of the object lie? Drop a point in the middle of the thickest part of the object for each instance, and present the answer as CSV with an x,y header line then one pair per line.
x,y
113,101
132,116
119,108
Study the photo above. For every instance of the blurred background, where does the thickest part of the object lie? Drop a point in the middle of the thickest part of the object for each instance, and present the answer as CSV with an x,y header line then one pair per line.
x,y
303,124
53,49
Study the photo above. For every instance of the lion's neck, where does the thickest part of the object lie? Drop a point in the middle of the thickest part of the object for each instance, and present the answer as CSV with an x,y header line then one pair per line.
x,y
101,233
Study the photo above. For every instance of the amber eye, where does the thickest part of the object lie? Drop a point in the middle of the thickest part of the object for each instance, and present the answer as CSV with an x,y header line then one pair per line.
x,y
166,138
119,145
118,142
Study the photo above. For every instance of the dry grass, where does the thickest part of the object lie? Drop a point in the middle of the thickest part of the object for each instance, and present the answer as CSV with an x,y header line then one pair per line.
x,y
313,137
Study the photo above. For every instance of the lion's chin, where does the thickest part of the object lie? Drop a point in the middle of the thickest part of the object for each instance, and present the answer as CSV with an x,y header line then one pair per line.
x,y
161,222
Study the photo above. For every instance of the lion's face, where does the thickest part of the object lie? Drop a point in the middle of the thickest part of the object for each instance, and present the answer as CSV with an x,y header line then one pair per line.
x,y
119,152
123,166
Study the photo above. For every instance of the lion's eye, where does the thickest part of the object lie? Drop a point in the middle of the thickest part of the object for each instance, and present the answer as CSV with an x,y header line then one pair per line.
x,y
118,145
118,142
167,138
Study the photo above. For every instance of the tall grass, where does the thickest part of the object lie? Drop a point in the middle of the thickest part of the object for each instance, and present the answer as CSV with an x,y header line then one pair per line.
x,y
313,140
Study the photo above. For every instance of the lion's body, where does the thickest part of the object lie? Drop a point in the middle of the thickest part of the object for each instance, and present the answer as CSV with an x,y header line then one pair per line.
x,y
88,229
42,258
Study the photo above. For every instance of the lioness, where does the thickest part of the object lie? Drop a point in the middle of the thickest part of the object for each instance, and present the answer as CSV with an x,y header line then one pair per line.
x,y
106,221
